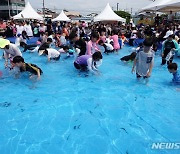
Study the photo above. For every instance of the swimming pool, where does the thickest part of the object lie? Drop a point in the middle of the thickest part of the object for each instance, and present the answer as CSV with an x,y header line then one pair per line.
x,y
71,113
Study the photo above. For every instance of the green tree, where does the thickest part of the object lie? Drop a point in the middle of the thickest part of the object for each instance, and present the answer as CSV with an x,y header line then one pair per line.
x,y
124,14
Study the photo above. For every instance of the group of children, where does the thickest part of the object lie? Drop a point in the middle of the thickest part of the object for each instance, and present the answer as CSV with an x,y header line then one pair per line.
x,y
88,53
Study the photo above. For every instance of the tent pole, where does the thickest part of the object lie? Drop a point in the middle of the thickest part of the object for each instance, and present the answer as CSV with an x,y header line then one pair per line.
x,y
43,10
9,9
117,6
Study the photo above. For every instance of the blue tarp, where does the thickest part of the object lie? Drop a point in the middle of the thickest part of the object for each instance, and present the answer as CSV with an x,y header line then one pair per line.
x,y
31,40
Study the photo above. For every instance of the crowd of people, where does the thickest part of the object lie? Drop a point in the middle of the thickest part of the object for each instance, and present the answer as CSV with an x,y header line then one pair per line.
x,y
88,42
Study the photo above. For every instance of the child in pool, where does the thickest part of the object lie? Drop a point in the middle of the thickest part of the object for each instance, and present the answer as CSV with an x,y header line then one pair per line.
x,y
64,49
27,67
107,46
124,39
115,38
173,68
103,36
87,62
129,58
52,54
69,52
169,47
144,60
92,45
132,56
21,40
45,46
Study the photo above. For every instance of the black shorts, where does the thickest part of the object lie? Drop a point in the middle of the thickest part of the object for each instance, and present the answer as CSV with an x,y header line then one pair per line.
x,y
56,58
139,76
80,67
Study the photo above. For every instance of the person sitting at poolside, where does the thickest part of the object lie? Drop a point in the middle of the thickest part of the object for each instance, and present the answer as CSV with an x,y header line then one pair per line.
x,y
27,67
87,62
51,53
45,45
173,68
10,51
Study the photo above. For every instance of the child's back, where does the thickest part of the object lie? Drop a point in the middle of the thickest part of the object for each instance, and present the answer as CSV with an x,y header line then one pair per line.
x,y
144,61
116,42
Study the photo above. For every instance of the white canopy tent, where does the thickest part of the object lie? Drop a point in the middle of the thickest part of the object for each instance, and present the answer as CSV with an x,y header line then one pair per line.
x,y
28,13
61,17
155,6
108,15
173,5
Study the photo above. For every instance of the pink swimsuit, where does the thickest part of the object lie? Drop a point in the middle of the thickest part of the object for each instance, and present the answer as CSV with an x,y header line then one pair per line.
x,y
116,43
91,48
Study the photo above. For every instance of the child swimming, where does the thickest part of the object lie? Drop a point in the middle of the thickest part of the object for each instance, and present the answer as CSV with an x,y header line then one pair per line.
x,y
130,57
27,67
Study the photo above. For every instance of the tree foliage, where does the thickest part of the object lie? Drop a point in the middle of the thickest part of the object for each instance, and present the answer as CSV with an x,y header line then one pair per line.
x,y
124,14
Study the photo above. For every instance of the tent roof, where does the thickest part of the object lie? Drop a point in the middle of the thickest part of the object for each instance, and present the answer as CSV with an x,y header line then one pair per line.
x,y
61,17
28,13
173,5
108,15
154,6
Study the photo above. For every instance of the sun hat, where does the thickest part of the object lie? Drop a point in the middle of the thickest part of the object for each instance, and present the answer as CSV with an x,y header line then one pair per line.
x,y
169,32
4,42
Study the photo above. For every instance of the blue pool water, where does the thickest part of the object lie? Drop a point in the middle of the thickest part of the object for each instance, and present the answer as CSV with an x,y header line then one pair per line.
x,y
68,112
